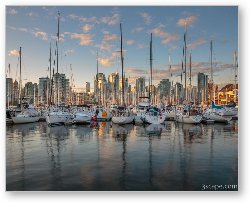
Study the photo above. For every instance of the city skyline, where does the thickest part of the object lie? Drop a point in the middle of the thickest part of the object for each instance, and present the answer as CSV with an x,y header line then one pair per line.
x,y
98,30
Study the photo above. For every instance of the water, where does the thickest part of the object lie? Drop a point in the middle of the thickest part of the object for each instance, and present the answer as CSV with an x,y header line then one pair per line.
x,y
173,157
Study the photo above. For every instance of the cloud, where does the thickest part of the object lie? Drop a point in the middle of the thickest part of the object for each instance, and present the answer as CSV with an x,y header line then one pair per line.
x,y
73,16
12,11
108,41
61,37
11,27
41,35
13,52
130,42
197,43
83,19
137,29
87,27
141,46
85,39
111,20
107,62
166,37
22,29
146,17
187,21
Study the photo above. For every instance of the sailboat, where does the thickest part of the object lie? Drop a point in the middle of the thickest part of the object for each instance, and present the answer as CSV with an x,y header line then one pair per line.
x,y
153,115
187,113
213,114
122,116
28,113
57,116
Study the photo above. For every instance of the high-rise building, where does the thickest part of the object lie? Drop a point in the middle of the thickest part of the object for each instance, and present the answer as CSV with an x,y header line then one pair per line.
x,y
140,87
100,89
61,89
164,89
87,87
44,90
15,93
9,91
179,93
113,87
202,87
28,90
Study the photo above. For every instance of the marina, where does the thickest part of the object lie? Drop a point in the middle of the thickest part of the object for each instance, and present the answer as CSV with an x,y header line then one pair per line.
x,y
115,103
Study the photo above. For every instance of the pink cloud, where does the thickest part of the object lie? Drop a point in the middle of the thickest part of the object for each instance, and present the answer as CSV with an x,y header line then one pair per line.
x,y
187,21
85,39
166,36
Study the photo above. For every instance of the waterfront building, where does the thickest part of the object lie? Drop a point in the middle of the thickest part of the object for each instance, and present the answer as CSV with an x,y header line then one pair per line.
x,y
87,87
61,89
43,90
113,87
179,93
100,89
202,87
164,90
226,95
15,93
140,87
9,92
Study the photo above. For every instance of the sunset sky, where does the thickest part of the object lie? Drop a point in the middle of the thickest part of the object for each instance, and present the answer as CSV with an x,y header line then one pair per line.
x,y
86,30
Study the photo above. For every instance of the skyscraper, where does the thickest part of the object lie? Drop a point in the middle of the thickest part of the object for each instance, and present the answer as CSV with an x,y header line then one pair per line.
x,y
9,90
202,87
113,87
60,89
15,93
87,87
140,87
164,89
44,90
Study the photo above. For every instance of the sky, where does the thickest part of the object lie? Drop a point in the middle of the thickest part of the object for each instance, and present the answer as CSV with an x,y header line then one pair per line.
x,y
86,30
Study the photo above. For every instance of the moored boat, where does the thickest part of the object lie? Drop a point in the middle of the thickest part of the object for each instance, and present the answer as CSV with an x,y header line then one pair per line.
x,y
188,115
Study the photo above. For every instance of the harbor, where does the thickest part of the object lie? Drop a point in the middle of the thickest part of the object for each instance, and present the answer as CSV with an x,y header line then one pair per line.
x,y
112,106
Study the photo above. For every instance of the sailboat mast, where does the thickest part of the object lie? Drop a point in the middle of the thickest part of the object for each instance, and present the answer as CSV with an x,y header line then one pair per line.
x,y
123,99
212,80
58,38
20,79
235,75
190,69
97,81
185,61
50,61
151,65
211,60
170,80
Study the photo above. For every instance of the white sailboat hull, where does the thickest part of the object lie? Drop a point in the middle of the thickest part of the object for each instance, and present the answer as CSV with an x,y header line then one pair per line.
x,y
188,119
18,120
55,119
154,119
81,118
121,120
216,118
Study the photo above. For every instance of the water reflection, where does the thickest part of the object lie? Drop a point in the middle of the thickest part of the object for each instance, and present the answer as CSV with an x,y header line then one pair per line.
x,y
102,156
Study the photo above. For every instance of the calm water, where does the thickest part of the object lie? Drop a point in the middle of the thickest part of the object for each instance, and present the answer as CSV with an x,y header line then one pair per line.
x,y
175,157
